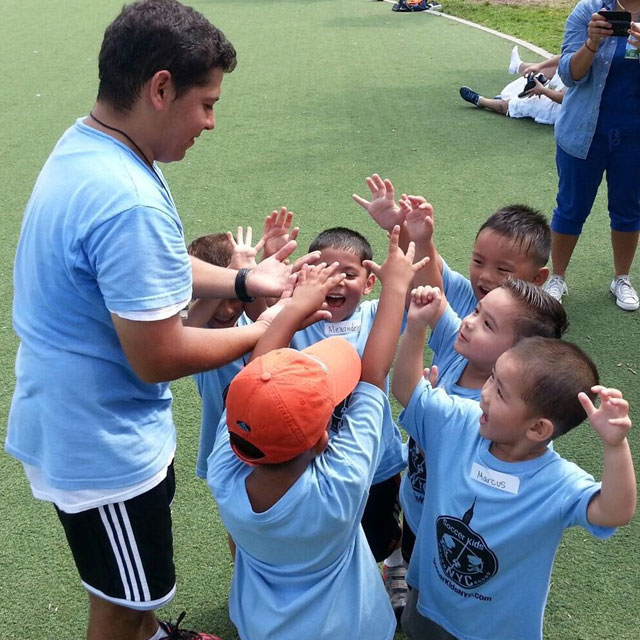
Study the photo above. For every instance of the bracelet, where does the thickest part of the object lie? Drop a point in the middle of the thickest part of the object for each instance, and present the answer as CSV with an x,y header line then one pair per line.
x,y
590,49
241,286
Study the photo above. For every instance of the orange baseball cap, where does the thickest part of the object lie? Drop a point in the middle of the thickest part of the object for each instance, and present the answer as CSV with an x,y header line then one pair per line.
x,y
281,403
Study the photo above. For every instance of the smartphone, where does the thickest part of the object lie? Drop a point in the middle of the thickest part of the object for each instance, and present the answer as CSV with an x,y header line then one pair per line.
x,y
620,22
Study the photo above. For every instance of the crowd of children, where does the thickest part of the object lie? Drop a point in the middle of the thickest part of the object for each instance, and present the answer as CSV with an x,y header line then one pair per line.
x,y
298,442
307,474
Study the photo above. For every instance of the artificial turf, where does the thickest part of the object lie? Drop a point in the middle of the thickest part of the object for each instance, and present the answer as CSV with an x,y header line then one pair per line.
x,y
326,92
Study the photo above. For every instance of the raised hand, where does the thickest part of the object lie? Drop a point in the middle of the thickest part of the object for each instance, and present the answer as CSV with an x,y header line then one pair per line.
x,y
611,419
277,231
424,306
382,208
419,218
398,267
244,255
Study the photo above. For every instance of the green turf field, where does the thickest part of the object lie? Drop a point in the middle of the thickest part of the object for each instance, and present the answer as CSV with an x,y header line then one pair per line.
x,y
326,92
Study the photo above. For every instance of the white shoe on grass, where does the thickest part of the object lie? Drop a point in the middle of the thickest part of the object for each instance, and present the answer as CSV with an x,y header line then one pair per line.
x,y
626,295
556,287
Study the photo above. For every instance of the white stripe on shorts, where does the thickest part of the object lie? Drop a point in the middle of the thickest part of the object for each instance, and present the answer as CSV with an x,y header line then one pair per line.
x,y
119,532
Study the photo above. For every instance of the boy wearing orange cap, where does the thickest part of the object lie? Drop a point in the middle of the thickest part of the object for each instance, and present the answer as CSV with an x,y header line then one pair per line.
x,y
291,499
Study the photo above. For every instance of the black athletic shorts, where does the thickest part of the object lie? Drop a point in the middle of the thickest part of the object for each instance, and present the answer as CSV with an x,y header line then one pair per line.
x,y
408,540
124,550
380,520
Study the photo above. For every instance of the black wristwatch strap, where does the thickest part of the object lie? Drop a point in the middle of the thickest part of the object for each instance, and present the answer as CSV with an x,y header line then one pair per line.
x,y
241,286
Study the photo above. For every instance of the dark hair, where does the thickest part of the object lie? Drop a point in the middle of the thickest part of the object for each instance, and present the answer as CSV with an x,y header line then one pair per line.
x,y
153,35
554,372
214,248
541,314
525,226
345,240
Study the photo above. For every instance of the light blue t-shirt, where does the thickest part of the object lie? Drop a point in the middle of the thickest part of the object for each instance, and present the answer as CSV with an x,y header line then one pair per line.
x,y
489,529
303,567
356,330
450,367
100,233
458,291
212,386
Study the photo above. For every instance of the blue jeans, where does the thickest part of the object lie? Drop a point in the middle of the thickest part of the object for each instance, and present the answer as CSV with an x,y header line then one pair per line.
x,y
578,180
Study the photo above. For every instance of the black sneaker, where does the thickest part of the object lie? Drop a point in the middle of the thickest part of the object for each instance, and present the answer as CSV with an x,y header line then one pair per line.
x,y
174,632
469,95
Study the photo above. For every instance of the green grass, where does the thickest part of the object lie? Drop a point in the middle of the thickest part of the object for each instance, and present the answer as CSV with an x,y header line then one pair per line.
x,y
325,93
541,25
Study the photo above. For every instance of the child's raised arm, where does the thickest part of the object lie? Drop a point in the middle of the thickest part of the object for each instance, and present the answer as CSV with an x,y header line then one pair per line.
x,y
420,224
396,275
616,503
425,310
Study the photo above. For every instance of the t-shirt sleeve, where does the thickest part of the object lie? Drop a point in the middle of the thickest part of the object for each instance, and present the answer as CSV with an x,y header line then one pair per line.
x,y
139,260
458,291
444,336
432,414
581,489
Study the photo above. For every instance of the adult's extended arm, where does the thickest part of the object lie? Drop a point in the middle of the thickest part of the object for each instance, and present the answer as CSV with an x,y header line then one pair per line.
x,y
164,350
268,279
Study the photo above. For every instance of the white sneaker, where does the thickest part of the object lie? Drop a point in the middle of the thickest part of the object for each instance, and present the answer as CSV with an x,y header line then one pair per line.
x,y
626,296
556,287
515,62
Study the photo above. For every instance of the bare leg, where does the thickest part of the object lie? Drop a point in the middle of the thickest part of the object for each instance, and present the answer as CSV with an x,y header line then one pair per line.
x,y
562,246
108,621
232,546
499,106
624,246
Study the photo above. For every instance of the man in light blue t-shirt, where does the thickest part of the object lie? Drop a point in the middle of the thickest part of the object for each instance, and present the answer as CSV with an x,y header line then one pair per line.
x,y
101,274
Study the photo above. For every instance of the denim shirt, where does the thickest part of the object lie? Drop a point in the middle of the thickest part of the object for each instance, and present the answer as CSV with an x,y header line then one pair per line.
x,y
581,105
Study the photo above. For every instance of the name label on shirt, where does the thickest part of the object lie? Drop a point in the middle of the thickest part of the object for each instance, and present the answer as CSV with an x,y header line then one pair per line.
x,y
495,479
341,328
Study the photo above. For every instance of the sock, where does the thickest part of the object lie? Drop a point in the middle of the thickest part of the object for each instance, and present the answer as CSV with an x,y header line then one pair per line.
x,y
515,62
159,634
395,559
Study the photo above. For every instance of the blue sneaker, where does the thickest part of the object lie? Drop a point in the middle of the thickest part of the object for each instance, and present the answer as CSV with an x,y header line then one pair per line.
x,y
469,95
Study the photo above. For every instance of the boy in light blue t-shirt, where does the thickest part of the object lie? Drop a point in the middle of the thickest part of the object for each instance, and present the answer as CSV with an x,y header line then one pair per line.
x,y
222,250
290,495
514,242
498,498
464,354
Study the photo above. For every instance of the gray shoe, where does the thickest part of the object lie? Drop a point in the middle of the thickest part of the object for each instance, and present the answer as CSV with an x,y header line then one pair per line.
x,y
556,287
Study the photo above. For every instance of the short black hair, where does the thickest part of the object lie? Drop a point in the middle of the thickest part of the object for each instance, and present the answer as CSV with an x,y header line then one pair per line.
x,y
554,372
213,248
345,240
541,314
152,35
525,225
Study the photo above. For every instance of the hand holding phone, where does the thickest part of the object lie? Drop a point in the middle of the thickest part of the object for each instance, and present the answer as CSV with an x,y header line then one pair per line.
x,y
620,22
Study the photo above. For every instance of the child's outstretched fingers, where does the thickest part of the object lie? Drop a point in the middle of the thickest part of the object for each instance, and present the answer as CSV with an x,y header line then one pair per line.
x,y
430,374
611,419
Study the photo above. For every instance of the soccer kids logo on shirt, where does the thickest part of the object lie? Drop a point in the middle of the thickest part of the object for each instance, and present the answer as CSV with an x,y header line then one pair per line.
x,y
336,416
417,471
465,558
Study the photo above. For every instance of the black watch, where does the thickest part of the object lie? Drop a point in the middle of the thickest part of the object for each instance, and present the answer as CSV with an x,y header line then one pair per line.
x,y
241,286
